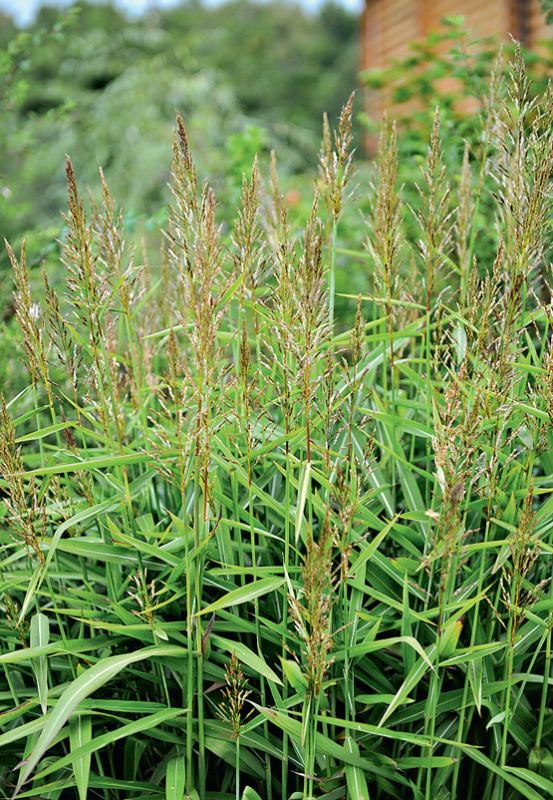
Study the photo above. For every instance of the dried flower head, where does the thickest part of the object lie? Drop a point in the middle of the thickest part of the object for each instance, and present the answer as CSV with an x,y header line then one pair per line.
x,y
20,626
26,508
235,694
384,242
311,610
31,322
336,166
519,595
144,595
434,215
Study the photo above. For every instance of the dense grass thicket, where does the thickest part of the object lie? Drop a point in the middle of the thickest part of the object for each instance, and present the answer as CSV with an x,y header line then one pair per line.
x,y
248,553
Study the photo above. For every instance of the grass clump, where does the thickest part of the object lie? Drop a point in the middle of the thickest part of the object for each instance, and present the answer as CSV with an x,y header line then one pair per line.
x,y
247,551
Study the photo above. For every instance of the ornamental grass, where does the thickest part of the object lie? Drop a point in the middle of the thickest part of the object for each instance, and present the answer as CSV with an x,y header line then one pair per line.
x,y
248,552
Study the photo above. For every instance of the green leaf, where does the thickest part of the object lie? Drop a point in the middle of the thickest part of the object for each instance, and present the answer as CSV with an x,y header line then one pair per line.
x,y
540,761
406,652
35,581
22,731
175,778
80,734
151,550
533,778
416,762
369,550
245,594
226,749
375,699
246,656
460,341
408,685
382,644
40,572
40,636
449,638
248,737
355,777
134,748
470,653
250,794
91,463
504,773
327,746
377,730
43,432
142,724
404,424
304,485
295,676
91,680
475,681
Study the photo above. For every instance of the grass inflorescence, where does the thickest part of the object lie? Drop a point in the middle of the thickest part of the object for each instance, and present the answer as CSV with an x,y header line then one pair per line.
x,y
248,552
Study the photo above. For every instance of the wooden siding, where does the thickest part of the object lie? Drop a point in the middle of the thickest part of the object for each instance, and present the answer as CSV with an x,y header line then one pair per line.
x,y
538,30
389,26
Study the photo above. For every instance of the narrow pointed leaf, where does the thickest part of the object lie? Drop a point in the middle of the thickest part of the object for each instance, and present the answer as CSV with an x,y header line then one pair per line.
x,y
142,724
245,594
246,656
408,685
355,777
80,734
40,636
175,778
91,680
